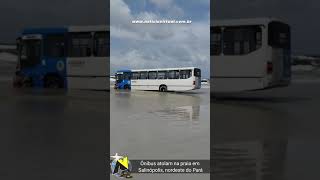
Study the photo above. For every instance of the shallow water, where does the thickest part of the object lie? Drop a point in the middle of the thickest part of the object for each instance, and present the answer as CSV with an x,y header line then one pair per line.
x,y
164,126
51,134
153,125
268,134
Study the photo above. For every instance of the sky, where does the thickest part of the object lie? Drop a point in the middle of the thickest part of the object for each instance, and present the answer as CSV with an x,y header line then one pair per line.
x,y
18,14
139,46
301,15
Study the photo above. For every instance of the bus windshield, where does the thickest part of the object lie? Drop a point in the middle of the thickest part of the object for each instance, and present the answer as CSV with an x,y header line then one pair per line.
x,y
120,76
279,35
29,52
197,72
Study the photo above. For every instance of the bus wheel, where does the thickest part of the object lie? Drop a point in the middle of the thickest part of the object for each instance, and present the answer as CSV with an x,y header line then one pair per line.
x,y
163,88
52,82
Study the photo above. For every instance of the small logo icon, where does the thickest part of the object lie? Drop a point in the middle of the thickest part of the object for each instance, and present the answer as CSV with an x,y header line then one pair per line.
x,y
121,166
60,65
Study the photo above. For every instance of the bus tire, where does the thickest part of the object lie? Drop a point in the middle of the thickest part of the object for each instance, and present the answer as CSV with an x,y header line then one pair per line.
x,y
163,88
52,82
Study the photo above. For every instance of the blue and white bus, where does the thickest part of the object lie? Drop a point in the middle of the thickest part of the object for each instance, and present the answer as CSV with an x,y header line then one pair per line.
x,y
70,58
123,79
164,79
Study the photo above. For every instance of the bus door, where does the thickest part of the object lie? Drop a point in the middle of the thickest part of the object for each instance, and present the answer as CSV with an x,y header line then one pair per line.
x,y
29,59
197,75
279,40
54,60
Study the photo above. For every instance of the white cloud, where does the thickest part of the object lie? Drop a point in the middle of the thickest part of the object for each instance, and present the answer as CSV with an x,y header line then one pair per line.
x,y
120,13
171,9
162,3
121,18
175,12
156,45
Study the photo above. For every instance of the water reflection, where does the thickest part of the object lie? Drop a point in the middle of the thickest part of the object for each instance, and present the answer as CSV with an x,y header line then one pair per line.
x,y
160,125
181,115
39,120
249,141
250,160
52,133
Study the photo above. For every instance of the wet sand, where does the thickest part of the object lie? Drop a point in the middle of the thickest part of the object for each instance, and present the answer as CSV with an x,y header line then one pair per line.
x,y
270,134
52,135
164,126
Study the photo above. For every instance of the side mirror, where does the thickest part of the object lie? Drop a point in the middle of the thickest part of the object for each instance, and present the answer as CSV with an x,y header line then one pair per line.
x,y
18,43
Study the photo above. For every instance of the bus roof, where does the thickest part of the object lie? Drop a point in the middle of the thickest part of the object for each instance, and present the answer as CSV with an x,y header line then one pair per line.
x,y
54,30
44,31
124,70
248,21
164,69
88,28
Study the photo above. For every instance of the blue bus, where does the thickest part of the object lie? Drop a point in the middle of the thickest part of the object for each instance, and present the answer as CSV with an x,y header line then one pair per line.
x,y
67,57
123,79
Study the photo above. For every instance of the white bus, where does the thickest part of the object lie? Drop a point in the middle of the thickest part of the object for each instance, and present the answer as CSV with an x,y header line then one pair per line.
x,y
166,79
91,70
74,57
249,54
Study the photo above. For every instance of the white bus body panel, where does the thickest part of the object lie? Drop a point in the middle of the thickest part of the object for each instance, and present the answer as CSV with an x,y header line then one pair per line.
x,y
239,73
88,73
172,84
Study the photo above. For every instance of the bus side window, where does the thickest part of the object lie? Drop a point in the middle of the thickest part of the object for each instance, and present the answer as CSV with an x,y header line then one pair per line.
x,y
185,74
126,76
259,39
279,35
143,75
80,45
162,74
177,74
101,44
153,75
54,46
197,72
173,74
135,75
241,40
215,41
